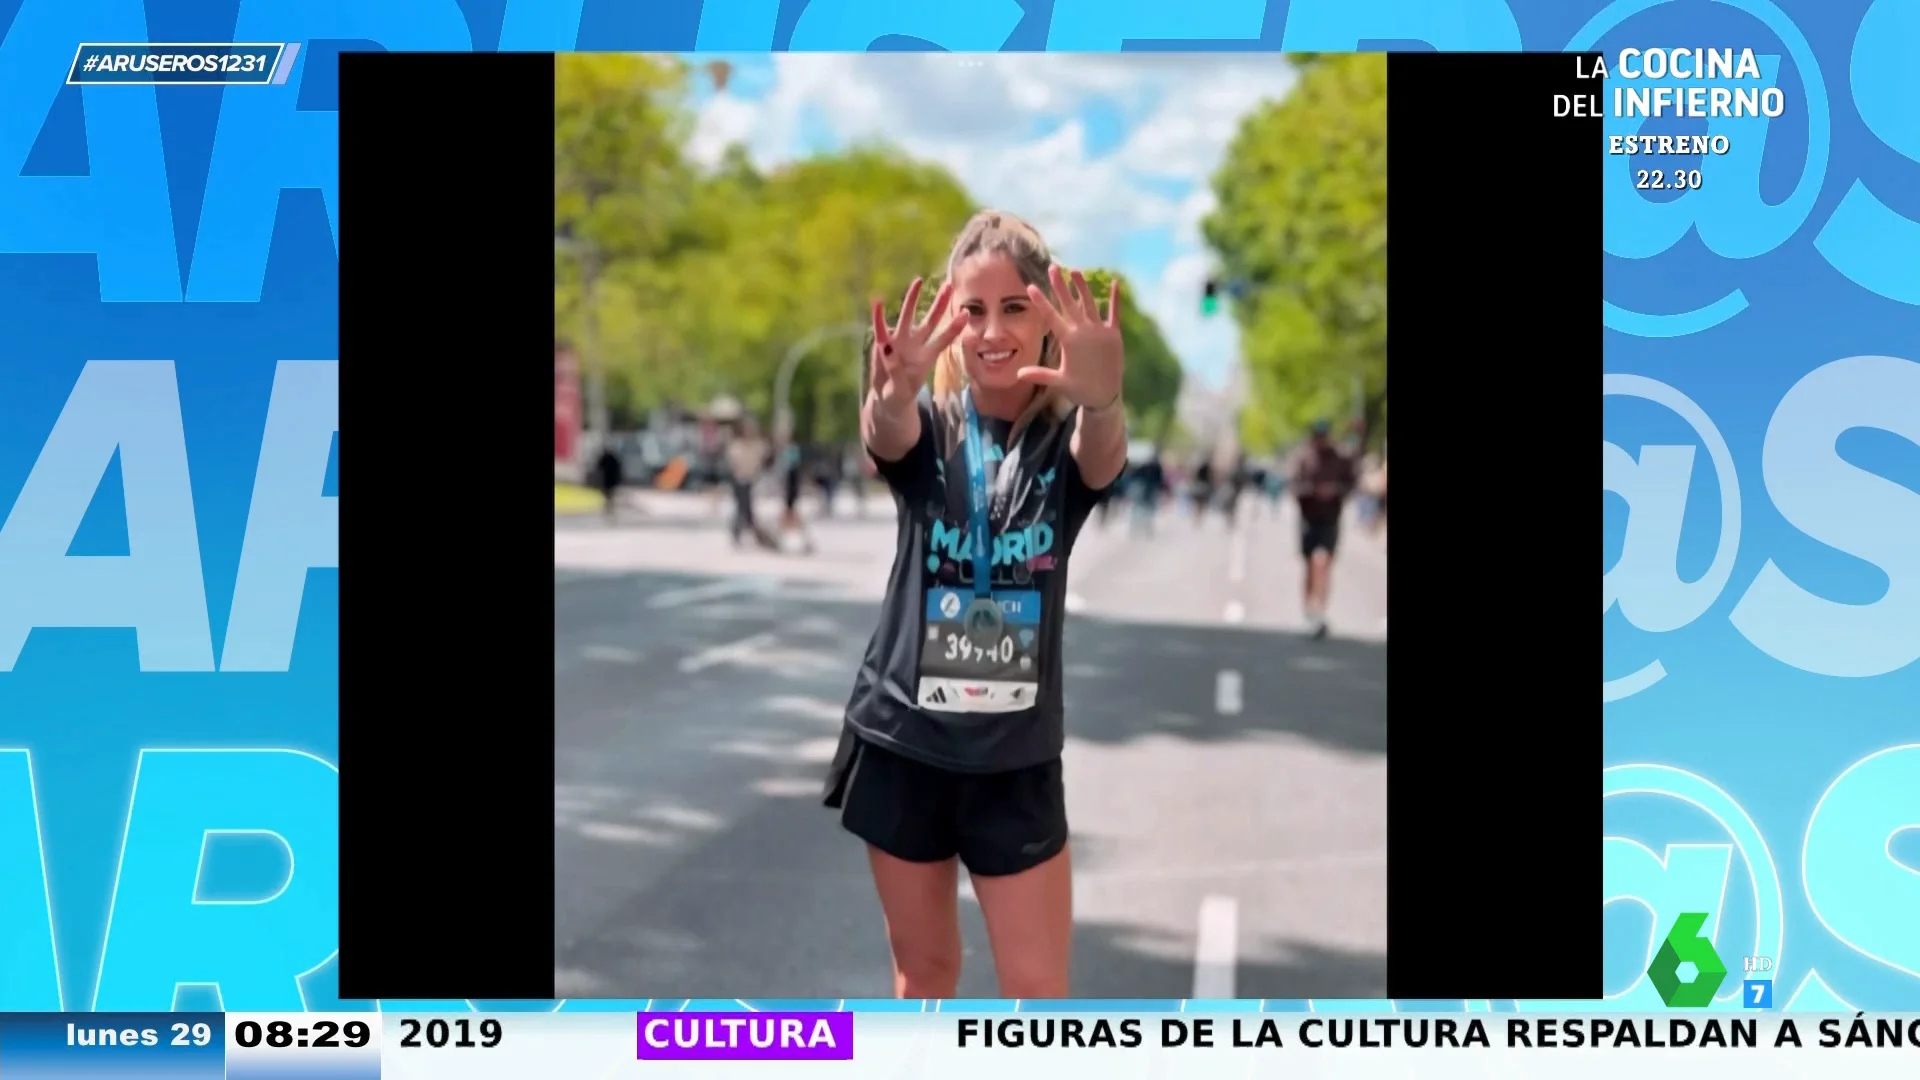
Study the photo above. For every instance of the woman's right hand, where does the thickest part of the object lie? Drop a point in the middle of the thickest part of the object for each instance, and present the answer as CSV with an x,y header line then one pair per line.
x,y
904,354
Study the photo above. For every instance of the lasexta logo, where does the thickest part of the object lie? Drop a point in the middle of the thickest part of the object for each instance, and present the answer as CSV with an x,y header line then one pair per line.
x,y
1685,944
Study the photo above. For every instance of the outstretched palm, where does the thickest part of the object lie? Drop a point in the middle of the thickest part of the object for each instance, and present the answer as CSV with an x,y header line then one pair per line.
x,y
904,353
1092,357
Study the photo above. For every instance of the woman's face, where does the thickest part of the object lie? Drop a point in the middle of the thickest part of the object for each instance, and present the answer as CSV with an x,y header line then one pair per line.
x,y
1003,331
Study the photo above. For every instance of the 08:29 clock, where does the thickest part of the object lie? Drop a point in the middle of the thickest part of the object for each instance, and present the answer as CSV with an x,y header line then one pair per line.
x,y
324,1034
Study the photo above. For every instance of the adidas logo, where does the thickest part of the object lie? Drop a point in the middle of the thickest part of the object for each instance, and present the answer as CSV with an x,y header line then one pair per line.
x,y
939,696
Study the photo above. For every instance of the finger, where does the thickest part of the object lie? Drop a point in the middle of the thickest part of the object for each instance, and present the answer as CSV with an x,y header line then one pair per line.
x,y
938,309
1083,296
881,337
1052,314
1061,292
943,337
907,306
1113,302
1042,376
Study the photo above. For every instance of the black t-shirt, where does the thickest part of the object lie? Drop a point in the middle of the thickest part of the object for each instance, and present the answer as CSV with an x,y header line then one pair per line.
x,y
926,689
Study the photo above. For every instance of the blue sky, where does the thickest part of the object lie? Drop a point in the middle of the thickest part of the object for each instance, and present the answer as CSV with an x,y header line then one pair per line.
x,y
1109,155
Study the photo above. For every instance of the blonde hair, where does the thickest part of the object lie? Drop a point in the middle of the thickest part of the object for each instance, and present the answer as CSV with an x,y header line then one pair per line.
x,y
991,232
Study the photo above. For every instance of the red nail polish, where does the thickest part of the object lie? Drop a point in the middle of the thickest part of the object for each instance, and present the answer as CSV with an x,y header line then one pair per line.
x,y
886,350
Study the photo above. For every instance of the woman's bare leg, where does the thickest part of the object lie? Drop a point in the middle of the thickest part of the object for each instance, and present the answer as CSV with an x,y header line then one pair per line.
x,y
1030,925
921,904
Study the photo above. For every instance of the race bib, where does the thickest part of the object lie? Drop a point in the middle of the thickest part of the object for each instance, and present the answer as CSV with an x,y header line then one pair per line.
x,y
961,674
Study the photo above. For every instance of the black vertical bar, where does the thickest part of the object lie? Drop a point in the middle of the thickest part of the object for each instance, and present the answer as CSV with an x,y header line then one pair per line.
x,y
1494,281
446,601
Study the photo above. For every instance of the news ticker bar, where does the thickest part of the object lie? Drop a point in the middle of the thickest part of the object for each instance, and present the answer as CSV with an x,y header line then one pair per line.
x,y
1047,1045
125,63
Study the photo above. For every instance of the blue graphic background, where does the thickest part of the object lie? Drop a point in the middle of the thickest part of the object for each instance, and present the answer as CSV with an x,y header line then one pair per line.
x,y
194,230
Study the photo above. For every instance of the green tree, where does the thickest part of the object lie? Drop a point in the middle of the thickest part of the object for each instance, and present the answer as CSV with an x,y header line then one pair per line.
x,y
1301,233
619,174
621,189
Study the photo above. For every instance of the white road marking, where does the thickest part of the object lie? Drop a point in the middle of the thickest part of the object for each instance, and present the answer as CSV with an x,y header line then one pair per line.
x,y
1226,693
1076,603
1214,951
720,654
1237,558
1236,612
716,590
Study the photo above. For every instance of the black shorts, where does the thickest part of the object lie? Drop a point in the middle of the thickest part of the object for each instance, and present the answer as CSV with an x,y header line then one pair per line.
x,y
1321,536
996,823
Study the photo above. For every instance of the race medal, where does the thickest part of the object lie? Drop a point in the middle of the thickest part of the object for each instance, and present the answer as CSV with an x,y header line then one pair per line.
x,y
984,622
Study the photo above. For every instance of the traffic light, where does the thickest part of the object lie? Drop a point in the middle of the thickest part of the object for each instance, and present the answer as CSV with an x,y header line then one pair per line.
x,y
1210,299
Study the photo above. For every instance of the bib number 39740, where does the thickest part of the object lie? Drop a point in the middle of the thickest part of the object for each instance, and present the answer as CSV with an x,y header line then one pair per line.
x,y
962,671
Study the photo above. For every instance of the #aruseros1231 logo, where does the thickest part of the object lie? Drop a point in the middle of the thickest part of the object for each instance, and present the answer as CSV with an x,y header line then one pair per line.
x,y
136,63
1685,944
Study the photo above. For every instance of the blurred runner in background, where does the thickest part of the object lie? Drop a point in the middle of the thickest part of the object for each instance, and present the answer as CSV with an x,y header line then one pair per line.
x,y
1146,484
608,472
829,463
1200,491
1235,484
1322,478
1366,507
746,459
1274,483
793,476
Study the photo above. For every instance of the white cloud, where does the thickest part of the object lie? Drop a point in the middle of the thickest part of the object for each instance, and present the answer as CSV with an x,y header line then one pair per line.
x,y
1009,125
723,122
1187,134
1193,210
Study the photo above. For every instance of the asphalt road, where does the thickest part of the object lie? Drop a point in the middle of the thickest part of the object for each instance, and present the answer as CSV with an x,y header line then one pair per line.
x,y
1226,776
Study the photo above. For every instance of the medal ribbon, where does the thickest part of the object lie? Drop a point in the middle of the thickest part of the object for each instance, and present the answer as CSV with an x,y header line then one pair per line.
x,y
978,502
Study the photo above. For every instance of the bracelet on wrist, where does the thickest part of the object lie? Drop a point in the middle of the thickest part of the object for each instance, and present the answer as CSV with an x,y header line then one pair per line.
x,y
1102,410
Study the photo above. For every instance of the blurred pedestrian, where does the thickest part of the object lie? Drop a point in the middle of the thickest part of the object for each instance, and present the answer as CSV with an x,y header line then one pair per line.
x,y
1148,483
829,464
793,478
608,474
746,460
1322,478
1235,485
1200,489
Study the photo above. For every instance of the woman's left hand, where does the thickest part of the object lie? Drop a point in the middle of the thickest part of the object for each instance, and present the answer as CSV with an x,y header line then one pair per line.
x,y
1092,358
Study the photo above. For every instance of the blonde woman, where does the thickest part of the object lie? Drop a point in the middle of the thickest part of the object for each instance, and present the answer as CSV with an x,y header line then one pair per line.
x,y
951,750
